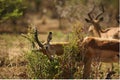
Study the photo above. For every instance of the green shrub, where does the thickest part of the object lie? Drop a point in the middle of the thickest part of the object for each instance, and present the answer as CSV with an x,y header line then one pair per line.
x,y
71,60
65,66
40,67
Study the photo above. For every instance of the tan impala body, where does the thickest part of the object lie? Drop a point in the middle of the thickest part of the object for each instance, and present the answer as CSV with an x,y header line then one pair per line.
x,y
107,50
111,33
55,48
104,50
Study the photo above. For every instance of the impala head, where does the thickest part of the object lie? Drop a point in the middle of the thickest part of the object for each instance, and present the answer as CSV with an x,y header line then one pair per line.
x,y
45,48
95,21
91,28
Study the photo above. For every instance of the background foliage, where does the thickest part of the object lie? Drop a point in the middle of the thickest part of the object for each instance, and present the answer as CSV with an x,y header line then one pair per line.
x,y
11,9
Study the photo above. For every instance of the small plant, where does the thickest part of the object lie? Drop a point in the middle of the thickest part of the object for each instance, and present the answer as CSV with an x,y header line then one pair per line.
x,y
71,60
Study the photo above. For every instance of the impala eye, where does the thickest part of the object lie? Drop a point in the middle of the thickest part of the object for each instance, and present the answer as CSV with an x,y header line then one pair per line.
x,y
46,47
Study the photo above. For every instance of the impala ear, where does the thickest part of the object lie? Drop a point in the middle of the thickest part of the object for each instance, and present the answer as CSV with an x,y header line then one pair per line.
x,y
87,20
101,19
49,38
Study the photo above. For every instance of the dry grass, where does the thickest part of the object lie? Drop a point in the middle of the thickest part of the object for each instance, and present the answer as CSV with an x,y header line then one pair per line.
x,y
14,72
11,55
12,49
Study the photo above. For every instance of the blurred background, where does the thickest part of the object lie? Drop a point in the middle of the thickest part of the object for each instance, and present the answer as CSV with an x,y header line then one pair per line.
x,y
58,16
15,16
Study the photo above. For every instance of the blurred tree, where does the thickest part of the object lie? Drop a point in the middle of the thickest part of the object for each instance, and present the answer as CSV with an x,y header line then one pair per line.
x,y
76,10
10,9
112,9
69,10
38,3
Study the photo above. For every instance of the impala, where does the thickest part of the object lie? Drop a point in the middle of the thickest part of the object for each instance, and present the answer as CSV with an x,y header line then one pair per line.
x,y
49,48
96,30
107,50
